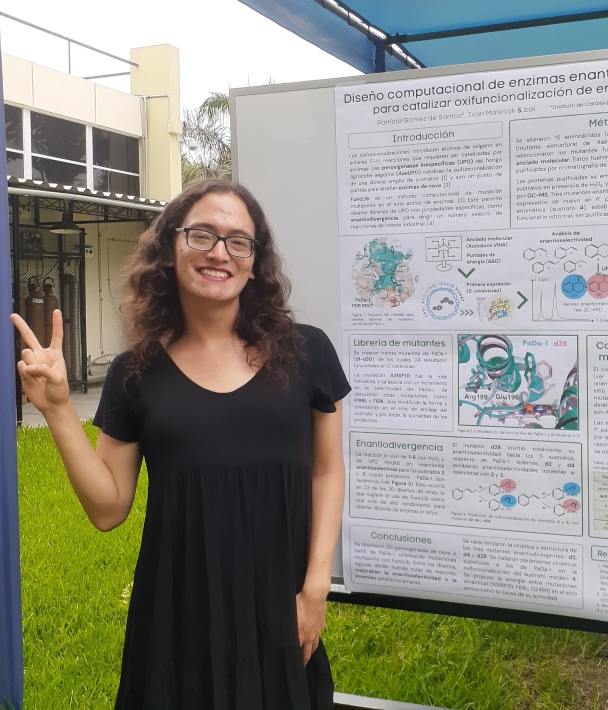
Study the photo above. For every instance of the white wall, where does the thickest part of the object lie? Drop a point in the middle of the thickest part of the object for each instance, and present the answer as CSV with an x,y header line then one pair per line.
x,y
284,151
111,245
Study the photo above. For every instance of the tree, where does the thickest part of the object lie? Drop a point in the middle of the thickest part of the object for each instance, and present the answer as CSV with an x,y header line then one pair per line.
x,y
209,126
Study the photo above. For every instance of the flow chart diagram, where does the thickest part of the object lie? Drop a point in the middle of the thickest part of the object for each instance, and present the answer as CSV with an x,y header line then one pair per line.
x,y
443,250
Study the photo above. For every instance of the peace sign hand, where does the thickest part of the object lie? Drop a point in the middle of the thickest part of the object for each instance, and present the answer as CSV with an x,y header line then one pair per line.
x,y
42,370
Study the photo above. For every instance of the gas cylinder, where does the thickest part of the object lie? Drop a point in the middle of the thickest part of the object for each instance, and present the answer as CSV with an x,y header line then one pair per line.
x,y
34,308
50,304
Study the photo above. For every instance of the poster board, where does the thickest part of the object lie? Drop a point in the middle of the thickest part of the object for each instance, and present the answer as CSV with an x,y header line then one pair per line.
x,y
446,229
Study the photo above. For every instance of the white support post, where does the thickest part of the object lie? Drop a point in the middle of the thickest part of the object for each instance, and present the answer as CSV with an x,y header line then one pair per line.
x,y
27,144
89,158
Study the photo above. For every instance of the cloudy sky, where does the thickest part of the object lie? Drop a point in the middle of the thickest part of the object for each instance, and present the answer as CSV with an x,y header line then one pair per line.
x,y
222,43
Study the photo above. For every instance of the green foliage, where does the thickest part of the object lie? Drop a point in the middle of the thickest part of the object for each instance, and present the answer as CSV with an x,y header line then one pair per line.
x,y
209,126
448,662
77,583
74,582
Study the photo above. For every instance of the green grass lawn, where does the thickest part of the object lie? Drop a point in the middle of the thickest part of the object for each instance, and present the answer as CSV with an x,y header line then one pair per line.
x,y
76,587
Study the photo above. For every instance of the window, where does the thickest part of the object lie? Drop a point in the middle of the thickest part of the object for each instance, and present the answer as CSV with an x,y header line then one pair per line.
x,y
14,164
54,150
61,139
63,173
58,138
13,122
120,156
114,151
109,181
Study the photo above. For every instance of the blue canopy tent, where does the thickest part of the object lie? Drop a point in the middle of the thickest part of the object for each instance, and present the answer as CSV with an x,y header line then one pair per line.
x,y
389,35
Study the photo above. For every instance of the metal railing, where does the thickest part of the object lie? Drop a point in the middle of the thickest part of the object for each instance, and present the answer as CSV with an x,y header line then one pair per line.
x,y
70,42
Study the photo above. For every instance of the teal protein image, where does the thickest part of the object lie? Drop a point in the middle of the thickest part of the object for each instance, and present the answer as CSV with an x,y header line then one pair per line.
x,y
383,275
574,286
499,386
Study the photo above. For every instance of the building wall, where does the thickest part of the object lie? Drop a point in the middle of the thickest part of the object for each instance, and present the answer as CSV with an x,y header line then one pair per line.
x,y
157,80
42,89
111,244
151,112
154,121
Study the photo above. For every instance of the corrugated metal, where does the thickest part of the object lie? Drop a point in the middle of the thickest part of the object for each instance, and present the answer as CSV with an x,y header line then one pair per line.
x,y
39,185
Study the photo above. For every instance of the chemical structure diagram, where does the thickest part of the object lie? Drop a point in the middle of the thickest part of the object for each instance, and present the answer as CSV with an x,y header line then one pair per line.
x,y
515,386
577,284
444,249
542,261
502,496
591,251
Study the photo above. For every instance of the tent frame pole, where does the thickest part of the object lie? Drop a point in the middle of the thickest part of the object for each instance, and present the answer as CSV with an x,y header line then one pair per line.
x,y
498,27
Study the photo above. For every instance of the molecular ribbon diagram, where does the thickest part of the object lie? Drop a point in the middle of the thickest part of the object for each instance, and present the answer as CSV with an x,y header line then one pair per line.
x,y
515,388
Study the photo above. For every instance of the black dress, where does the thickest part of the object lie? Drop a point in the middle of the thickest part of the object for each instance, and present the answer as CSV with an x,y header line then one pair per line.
x,y
212,622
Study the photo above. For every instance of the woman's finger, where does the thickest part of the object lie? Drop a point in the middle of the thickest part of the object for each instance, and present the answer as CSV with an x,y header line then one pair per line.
x,y
28,357
26,332
57,338
21,368
50,375
307,652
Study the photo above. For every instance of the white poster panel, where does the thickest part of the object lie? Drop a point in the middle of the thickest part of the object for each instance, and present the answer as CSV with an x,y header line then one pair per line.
x,y
473,217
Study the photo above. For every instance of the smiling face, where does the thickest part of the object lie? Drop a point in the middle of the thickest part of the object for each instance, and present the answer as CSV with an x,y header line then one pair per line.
x,y
214,275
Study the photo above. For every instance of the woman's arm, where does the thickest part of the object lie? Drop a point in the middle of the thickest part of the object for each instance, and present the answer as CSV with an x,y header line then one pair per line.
x,y
327,502
103,480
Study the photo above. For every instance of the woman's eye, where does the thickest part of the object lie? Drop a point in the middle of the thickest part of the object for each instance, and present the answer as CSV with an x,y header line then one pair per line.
x,y
202,237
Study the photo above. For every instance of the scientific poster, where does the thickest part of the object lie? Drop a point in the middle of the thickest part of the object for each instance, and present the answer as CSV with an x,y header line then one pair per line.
x,y
473,213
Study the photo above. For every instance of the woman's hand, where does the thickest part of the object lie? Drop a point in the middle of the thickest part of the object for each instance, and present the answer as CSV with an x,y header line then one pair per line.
x,y
312,609
42,370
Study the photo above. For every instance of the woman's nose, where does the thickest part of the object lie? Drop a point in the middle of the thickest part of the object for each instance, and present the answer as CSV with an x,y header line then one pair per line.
x,y
219,250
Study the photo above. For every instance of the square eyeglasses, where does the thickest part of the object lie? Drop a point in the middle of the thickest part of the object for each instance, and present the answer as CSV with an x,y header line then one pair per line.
x,y
203,240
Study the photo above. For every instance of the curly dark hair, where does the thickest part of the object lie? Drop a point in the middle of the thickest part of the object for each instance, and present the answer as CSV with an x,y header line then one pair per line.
x,y
154,318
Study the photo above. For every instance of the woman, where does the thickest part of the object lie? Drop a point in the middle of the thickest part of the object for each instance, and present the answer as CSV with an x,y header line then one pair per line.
x,y
237,413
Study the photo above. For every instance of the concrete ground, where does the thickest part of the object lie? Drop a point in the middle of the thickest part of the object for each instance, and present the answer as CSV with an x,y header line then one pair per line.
x,y
85,404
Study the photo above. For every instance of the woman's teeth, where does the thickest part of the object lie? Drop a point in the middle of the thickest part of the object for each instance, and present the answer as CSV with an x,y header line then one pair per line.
x,y
215,274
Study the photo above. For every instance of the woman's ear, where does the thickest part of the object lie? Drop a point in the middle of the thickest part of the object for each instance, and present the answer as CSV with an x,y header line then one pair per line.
x,y
171,260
